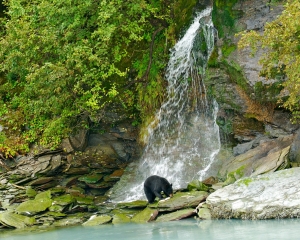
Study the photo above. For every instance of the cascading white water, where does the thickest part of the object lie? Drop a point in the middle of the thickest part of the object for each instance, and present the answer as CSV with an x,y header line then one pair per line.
x,y
184,138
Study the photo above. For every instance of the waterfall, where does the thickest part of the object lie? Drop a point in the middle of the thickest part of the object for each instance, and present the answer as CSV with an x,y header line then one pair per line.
x,y
184,137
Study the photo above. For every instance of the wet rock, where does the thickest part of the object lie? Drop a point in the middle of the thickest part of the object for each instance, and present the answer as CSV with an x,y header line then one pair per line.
x,y
68,182
197,185
100,199
102,185
181,200
92,178
30,192
97,220
55,215
41,202
115,176
56,163
66,146
11,219
120,151
121,218
57,208
68,221
47,185
268,156
272,195
133,204
41,181
75,191
203,212
180,214
78,171
147,215
210,181
64,200
294,154
86,200
45,158
130,212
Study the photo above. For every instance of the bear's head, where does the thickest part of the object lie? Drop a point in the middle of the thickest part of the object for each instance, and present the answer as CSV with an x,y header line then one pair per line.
x,y
169,190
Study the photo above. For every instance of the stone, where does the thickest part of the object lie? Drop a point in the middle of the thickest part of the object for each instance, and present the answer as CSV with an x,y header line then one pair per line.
x,y
86,200
15,220
197,185
147,215
97,220
92,178
121,218
41,203
56,162
68,221
41,181
115,176
78,171
294,154
66,145
210,181
203,212
133,204
180,214
180,200
45,158
272,195
30,192
267,156
64,200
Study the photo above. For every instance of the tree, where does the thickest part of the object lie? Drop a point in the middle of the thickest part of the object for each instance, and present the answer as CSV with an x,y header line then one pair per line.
x,y
63,58
281,40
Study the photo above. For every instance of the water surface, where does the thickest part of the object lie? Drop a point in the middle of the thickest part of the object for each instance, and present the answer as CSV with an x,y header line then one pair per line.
x,y
184,229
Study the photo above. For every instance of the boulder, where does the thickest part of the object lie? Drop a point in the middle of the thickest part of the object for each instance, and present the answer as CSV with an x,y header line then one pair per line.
x,y
15,220
272,195
177,215
97,220
268,156
180,200
147,215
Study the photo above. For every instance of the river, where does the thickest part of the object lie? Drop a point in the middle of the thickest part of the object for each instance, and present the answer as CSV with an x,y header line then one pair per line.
x,y
184,229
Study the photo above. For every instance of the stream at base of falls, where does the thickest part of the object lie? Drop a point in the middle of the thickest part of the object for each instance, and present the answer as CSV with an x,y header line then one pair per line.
x,y
189,229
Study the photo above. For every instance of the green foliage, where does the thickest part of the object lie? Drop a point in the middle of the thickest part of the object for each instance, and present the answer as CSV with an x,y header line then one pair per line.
x,y
267,92
61,59
281,40
65,58
224,16
236,74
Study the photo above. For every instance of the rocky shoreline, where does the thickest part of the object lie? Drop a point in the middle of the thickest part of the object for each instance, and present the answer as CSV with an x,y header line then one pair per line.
x,y
67,187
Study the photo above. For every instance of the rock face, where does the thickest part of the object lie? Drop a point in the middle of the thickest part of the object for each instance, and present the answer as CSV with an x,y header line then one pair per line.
x,y
248,106
268,156
273,195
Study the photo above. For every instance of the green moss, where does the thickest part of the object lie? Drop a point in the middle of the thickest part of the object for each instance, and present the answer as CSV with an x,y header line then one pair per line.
x,y
235,73
245,181
234,175
224,16
228,48
213,60
267,92
225,125
183,10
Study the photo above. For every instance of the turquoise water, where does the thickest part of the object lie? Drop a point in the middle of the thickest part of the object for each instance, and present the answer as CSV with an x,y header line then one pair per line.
x,y
184,230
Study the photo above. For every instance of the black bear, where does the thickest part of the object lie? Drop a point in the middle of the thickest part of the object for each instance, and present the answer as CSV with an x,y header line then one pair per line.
x,y
154,185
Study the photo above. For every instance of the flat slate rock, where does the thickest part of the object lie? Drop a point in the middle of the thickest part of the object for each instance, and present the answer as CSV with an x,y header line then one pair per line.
x,y
267,196
181,200
180,214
